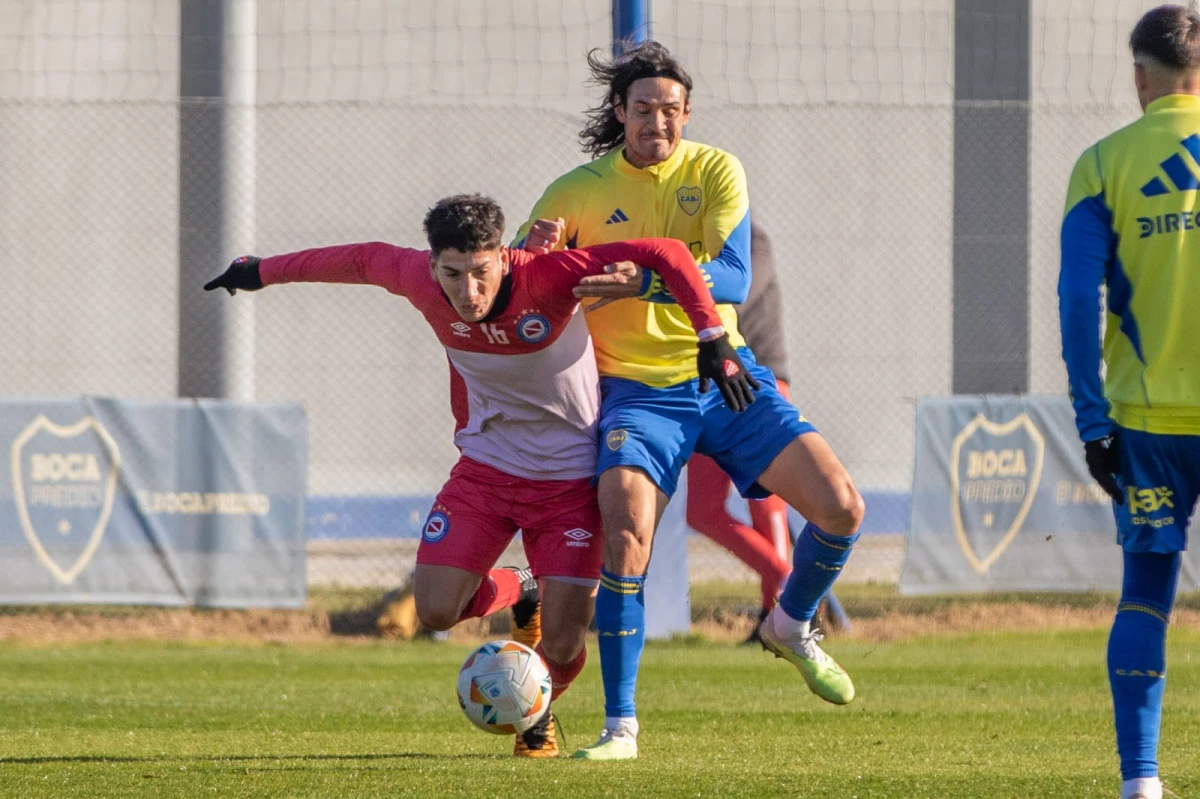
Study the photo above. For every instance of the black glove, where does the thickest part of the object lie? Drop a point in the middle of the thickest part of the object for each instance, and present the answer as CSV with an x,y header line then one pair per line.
x,y
1104,463
241,274
718,361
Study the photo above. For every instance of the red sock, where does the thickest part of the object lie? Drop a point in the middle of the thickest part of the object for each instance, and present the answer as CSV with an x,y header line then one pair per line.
x,y
499,590
770,519
563,674
708,487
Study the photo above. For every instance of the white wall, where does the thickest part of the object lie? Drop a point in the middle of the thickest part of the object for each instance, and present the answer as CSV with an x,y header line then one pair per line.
x,y
371,110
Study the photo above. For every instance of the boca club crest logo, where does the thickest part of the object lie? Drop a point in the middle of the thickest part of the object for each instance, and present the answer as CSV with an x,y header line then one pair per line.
x,y
995,470
64,483
689,199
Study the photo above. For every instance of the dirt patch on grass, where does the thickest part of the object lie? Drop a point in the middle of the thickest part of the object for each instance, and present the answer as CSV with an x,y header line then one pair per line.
x,y
986,617
960,618
56,625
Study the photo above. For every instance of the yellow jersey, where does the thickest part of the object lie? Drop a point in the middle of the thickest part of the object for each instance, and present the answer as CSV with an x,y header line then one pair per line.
x,y
1132,224
697,196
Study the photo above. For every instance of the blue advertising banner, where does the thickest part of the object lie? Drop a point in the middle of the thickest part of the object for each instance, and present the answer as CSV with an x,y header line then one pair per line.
x,y
1002,500
168,503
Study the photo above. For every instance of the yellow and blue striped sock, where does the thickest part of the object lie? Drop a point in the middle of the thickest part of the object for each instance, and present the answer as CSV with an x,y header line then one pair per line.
x,y
816,563
621,623
1137,658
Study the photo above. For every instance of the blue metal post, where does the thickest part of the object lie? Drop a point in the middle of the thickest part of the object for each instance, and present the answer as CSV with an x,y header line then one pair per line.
x,y
631,22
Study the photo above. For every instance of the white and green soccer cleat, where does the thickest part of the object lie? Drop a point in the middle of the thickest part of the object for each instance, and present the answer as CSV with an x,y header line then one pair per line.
x,y
824,676
618,744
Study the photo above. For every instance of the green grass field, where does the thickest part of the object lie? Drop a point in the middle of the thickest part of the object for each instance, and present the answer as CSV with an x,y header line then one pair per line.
x,y
1007,715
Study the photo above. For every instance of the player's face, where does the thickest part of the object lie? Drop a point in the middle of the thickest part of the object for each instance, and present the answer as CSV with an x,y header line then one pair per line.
x,y
471,280
654,113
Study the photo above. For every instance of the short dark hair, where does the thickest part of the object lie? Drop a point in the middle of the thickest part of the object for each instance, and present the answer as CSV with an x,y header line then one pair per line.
x,y
604,132
464,222
1170,35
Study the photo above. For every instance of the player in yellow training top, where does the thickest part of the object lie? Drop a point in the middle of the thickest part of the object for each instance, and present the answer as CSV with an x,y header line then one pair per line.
x,y
1132,226
646,181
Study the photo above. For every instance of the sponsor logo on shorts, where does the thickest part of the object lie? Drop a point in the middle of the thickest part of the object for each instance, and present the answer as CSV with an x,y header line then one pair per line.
x,y
436,527
1145,501
579,537
616,439
461,329
532,328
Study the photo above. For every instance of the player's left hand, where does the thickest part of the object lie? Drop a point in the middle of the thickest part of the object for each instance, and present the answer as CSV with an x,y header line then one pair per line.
x,y
242,274
1104,463
619,281
718,362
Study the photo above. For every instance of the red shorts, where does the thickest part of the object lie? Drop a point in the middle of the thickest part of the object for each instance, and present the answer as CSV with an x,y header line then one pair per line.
x,y
480,509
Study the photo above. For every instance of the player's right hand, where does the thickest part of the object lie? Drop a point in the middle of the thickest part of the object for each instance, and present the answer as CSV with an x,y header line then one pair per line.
x,y
241,274
544,235
719,363
1104,463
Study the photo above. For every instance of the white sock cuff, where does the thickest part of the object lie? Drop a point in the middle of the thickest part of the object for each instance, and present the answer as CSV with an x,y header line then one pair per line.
x,y
626,723
1150,787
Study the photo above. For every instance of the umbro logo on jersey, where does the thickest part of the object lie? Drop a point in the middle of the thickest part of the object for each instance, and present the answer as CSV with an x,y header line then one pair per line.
x,y
579,537
618,216
1178,172
461,329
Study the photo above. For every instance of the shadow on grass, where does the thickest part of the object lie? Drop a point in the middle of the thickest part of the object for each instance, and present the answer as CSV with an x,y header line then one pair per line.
x,y
34,761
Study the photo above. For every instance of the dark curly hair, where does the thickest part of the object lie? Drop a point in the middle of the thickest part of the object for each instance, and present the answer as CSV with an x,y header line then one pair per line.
x,y
1170,35
604,132
464,222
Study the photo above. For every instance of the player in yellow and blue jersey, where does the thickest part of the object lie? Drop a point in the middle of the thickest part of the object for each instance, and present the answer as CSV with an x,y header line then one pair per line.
x,y
1132,227
645,180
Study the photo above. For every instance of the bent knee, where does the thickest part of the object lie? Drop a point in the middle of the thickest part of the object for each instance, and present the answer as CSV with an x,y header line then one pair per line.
x,y
565,646
844,514
437,616
626,551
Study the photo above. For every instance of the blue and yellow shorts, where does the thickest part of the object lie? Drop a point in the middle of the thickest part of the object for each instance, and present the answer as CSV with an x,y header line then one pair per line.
x,y
657,429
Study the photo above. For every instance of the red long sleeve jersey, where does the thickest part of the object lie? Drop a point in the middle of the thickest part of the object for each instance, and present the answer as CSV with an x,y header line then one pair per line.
x,y
524,385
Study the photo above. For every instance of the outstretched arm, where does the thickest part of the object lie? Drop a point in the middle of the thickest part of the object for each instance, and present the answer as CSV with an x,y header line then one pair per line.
x,y
717,360
668,258
373,263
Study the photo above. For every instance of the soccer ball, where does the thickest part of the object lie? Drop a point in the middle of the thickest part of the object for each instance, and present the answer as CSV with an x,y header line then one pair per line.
x,y
504,687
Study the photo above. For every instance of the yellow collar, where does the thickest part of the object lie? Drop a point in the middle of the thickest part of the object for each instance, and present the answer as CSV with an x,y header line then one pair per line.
x,y
1173,101
622,165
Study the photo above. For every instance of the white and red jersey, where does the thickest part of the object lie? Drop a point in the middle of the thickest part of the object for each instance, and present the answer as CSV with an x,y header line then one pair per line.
x,y
524,386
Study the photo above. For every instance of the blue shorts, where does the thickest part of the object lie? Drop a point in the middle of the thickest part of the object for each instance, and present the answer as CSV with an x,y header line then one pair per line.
x,y
657,429
1161,478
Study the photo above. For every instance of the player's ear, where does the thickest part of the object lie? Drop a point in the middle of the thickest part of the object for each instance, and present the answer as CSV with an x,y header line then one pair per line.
x,y
432,265
619,111
504,260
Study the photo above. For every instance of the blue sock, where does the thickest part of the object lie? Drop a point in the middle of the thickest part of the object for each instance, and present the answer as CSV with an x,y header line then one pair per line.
x,y
1137,658
817,560
621,623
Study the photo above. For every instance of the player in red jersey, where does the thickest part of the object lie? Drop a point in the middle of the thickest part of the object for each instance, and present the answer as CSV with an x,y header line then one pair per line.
x,y
525,395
